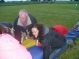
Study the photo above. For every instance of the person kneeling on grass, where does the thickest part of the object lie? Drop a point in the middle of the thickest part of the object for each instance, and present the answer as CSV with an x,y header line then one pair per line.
x,y
53,44
10,48
22,25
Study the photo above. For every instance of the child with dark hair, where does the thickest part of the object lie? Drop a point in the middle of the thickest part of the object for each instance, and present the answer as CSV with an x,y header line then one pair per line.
x,y
53,44
5,27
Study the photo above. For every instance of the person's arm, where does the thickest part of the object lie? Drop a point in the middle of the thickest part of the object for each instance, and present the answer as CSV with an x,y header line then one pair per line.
x,y
17,32
33,19
15,22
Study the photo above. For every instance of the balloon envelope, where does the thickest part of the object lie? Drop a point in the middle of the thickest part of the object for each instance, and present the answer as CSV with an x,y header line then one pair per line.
x,y
61,29
11,49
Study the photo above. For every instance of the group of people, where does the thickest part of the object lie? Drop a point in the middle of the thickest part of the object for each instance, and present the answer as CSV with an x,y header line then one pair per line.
x,y
25,26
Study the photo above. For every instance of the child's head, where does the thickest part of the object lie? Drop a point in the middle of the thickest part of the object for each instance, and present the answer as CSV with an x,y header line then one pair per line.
x,y
37,30
3,29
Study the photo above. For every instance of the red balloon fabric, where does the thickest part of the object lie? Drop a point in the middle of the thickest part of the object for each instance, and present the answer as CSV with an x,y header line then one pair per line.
x,y
10,48
61,29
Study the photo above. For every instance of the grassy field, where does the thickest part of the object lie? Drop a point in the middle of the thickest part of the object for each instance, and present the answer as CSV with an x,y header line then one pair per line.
x,y
50,15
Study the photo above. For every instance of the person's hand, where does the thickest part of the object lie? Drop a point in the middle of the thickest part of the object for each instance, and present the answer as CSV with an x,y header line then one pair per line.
x,y
36,42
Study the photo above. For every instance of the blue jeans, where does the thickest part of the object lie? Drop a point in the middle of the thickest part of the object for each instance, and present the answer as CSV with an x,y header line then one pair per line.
x,y
57,52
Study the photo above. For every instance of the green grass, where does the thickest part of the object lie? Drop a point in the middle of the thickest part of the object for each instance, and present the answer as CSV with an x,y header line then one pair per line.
x,y
65,14
71,53
48,14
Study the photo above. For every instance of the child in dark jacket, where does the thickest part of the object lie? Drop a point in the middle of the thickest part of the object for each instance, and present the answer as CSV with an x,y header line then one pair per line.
x,y
53,44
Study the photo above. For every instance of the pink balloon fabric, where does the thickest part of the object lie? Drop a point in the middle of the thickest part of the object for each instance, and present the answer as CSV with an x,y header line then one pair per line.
x,y
10,48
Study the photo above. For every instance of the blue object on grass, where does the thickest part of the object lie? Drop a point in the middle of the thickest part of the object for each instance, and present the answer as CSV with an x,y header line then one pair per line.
x,y
72,35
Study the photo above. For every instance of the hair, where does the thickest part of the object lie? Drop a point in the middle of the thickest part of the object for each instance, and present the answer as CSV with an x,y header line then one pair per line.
x,y
40,28
23,11
3,29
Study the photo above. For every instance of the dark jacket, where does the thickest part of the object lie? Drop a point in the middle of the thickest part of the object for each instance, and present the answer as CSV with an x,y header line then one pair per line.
x,y
18,29
51,40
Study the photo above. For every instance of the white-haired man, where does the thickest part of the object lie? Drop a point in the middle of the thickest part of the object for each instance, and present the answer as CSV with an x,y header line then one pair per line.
x,y
23,23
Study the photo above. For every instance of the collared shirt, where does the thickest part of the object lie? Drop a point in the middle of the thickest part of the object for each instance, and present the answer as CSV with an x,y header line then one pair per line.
x,y
27,23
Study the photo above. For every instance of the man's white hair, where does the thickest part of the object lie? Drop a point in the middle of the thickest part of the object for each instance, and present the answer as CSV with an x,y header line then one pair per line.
x,y
22,11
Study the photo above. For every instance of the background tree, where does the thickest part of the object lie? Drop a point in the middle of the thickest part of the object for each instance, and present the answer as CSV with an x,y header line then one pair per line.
x,y
2,1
